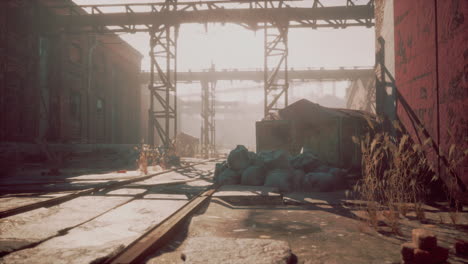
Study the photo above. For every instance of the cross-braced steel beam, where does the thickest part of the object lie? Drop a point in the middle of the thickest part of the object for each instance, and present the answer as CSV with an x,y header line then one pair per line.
x,y
208,127
163,81
276,83
246,13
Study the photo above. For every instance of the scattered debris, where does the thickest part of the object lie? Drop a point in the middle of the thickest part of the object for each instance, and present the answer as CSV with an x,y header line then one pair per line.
x,y
304,172
153,156
229,177
423,249
238,158
186,145
279,178
254,175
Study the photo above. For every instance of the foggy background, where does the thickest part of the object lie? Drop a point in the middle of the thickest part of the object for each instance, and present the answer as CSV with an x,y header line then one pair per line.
x,y
239,104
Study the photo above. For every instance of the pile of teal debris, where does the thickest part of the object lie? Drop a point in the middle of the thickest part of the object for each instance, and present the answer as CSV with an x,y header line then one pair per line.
x,y
303,172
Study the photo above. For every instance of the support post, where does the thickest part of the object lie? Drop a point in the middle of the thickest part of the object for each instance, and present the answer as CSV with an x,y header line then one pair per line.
x,y
163,81
208,127
275,63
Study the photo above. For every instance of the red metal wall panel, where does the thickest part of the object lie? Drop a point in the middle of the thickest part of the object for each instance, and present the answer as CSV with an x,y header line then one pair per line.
x,y
415,67
431,72
452,29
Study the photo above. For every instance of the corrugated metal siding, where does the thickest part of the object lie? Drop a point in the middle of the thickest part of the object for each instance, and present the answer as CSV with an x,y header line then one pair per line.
x,y
415,67
67,111
452,18
431,70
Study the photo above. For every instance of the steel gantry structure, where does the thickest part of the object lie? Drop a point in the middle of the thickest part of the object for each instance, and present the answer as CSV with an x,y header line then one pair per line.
x,y
163,19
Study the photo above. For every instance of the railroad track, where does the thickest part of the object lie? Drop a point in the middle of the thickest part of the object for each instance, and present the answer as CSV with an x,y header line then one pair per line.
x,y
151,240
159,235
68,197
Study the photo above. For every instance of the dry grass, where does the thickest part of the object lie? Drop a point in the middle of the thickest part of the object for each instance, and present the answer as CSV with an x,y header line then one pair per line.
x,y
395,173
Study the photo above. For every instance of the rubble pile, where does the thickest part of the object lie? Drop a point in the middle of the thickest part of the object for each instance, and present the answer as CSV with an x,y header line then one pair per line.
x,y
303,172
423,249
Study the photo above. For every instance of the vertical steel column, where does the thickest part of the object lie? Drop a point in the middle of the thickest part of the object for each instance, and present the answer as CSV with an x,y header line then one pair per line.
x,y
208,127
163,81
275,62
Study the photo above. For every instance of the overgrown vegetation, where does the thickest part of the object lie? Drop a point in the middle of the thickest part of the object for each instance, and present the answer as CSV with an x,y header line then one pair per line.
x,y
155,156
396,174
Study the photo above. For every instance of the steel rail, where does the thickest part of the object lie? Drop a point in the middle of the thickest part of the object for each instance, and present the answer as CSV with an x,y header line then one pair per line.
x,y
159,235
62,199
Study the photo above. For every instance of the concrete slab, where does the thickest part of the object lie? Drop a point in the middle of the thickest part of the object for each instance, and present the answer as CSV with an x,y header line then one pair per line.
x,y
330,198
245,190
127,191
333,234
202,250
98,237
248,195
14,201
101,236
37,225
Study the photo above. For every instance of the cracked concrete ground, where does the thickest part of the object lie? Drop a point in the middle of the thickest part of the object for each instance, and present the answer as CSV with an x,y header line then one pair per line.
x,y
323,229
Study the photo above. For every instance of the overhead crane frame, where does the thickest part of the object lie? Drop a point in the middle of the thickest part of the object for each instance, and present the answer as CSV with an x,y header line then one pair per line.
x,y
275,17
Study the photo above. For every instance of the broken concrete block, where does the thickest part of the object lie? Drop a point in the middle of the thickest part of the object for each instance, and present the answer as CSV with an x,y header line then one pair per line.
x,y
253,175
407,251
238,158
436,256
229,177
461,247
279,178
277,159
424,239
440,254
422,256
201,250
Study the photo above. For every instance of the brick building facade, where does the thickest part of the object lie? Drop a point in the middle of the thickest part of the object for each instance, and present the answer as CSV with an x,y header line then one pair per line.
x,y
65,88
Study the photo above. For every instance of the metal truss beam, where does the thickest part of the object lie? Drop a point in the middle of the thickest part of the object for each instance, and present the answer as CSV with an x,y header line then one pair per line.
x,y
368,85
276,83
301,74
73,19
163,81
208,127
